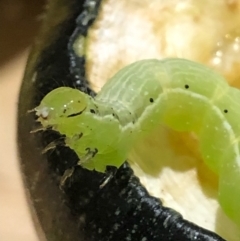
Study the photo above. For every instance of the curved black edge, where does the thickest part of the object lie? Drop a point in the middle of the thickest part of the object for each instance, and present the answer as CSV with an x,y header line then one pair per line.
x,y
83,22
81,210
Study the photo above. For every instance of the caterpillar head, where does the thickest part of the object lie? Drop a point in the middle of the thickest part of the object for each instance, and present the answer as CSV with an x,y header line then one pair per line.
x,y
60,104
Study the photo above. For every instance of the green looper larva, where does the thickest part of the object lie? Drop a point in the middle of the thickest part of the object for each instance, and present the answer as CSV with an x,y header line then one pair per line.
x,y
184,95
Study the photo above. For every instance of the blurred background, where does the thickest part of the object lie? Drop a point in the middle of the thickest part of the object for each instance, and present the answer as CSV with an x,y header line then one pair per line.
x,y
19,23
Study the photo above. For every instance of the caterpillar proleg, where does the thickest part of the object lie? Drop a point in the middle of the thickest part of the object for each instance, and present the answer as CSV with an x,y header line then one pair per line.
x,y
184,95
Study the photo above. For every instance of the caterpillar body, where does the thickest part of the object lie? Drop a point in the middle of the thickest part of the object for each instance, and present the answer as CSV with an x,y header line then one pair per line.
x,y
184,95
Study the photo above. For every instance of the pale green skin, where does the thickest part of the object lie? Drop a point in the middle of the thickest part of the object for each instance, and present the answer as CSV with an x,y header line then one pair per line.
x,y
184,95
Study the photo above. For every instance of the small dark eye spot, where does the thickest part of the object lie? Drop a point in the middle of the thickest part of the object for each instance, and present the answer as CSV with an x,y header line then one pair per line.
x,y
64,111
151,100
116,116
225,111
186,86
92,111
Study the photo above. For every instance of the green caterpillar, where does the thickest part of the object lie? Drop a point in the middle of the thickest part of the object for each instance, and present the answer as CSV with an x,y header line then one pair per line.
x,y
184,95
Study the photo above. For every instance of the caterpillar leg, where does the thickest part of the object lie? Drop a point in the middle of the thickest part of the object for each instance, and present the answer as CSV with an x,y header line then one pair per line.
x,y
106,180
68,173
53,145
40,128
90,154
